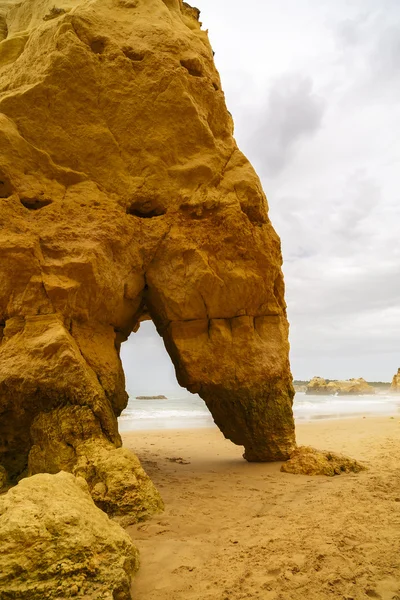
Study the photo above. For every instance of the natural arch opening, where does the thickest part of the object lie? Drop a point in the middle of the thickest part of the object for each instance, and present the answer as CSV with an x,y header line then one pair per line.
x,y
149,373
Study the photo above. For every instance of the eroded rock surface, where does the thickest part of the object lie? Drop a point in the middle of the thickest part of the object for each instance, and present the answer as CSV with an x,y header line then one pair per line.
x,y
306,460
55,543
124,197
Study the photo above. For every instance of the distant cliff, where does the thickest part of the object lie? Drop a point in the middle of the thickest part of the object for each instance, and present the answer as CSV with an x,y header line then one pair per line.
x,y
395,387
160,397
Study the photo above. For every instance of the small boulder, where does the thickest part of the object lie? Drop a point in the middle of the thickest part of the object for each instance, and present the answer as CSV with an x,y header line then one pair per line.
x,y
306,460
55,543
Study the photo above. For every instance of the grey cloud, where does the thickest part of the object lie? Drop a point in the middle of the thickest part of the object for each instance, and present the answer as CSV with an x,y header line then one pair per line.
x,y
292,112
147,366
340,225
369,47
342,272
348,33
385,58
350,212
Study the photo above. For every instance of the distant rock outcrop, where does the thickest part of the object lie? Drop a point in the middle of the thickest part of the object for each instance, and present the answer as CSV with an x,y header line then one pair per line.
x,y
349,387
160,397
354,387
318,385
123,197
395,387
55,543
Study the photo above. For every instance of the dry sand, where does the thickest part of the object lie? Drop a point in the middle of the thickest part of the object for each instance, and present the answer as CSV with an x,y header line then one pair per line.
x,y
234,530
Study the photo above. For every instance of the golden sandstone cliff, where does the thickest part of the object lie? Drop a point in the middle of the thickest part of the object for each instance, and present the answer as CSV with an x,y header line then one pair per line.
x,y
123,197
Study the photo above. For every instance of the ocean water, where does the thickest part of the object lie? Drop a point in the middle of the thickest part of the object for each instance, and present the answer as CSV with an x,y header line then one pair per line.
x,y
189,411
308,408
186,412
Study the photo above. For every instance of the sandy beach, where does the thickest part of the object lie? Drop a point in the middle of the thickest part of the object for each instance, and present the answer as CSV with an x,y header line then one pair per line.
x,y
233,530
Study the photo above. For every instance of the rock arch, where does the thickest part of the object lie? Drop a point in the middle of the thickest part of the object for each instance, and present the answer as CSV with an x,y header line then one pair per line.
x,y
143,205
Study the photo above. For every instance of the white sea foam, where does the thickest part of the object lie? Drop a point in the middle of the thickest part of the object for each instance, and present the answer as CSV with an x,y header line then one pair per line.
x,y
165,414
191,412
335,407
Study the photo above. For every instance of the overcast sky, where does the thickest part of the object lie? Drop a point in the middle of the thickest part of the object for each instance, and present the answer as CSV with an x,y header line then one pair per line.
x,y
314,89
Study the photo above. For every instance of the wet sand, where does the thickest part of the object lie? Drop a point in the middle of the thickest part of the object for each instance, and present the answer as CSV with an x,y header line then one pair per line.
x,y
233,530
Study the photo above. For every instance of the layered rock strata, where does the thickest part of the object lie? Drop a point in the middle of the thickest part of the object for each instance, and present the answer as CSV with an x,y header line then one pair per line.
x,y
55,543
124,197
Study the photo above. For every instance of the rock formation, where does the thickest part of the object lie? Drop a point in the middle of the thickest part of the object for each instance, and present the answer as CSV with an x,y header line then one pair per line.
x,y
306,460
159,397
124,197
349,387
395,387
318,385
354,387
55,543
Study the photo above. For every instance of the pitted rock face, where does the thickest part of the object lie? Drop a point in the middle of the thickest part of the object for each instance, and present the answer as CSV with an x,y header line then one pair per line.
x,y
124,197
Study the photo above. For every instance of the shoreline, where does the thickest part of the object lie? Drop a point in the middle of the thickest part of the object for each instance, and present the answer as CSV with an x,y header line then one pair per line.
x,y
191,412
299,423
344,433
243,531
